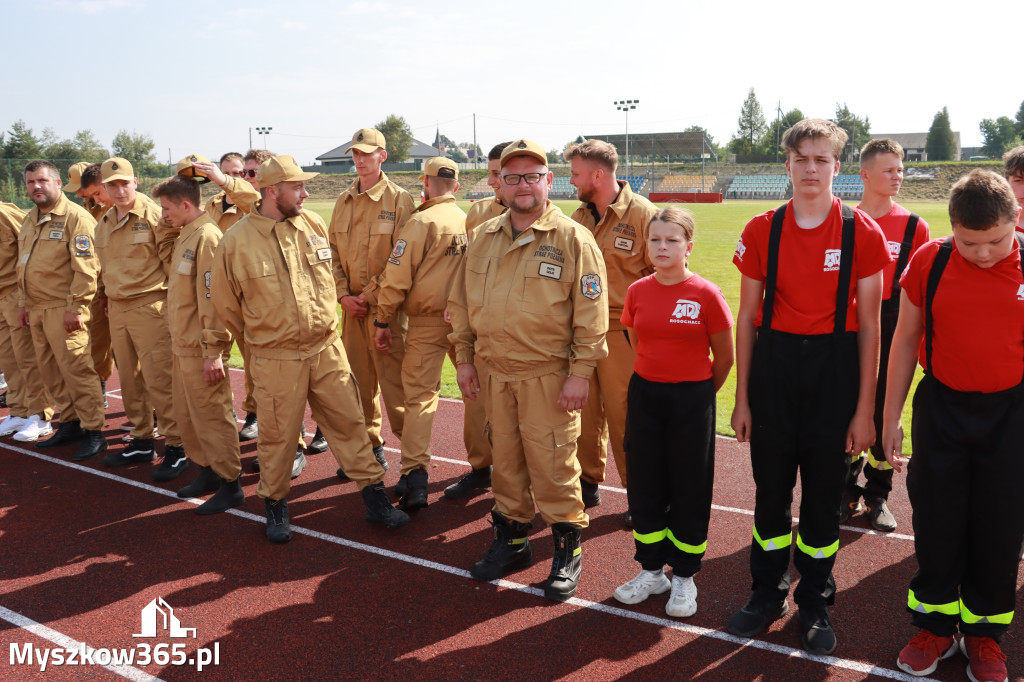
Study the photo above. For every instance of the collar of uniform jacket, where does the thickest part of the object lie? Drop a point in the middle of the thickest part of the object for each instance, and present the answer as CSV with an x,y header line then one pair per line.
x,y
138,208
547,221
375,192
194,225
433,202
60,208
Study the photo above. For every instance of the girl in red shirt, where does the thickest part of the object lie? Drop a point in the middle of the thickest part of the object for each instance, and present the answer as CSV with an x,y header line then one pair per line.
x,y
678,317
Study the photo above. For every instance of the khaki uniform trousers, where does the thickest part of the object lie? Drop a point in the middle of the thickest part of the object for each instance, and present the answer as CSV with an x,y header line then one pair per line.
x,y
534,445
605,411
26,392
282,388
249,403
377,372
205,418
474,424
99,341
426,346
142,344
66,367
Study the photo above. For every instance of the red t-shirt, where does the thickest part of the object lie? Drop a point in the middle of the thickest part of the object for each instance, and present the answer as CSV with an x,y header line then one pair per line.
x,y
808,272
673,327
894,224
978,319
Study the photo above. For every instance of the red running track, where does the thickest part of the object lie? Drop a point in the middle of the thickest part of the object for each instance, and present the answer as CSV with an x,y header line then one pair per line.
x,y
84,548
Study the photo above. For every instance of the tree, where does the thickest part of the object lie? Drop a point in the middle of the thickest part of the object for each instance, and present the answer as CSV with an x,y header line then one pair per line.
x,y
940,144
751,125
21,143
857,129
452,151
1020,119
133,146
554,156
999,135
773,138
398,136
89,148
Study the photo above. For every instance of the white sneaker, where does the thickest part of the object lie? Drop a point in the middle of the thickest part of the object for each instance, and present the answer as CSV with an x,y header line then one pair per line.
x,y
643,586
3,382
683,601
34,429
12,425
298,464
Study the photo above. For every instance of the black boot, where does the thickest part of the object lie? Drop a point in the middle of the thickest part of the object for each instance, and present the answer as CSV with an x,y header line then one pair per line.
x,y
415,496
229,495
67,432
206,482
318,444
509,551
591,494
566,564
93,445
379,508
477,479
279,529
402,486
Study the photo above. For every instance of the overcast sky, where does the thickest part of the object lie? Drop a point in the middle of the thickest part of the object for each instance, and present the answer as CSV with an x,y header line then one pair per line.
x,y
197,76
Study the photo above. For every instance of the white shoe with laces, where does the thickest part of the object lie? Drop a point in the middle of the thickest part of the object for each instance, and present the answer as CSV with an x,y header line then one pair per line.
x,y
34,429
643,586
11,425
683,601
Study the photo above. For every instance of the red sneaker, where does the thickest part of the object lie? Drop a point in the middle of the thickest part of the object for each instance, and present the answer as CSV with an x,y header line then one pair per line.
x,y
922,655
986,661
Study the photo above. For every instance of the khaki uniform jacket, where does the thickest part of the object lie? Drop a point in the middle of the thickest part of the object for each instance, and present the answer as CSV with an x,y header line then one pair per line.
x,y
194,326
532,304
423,264
11,218
238,192
135,253
622,237
57,265
364,229
273,282
96,209
482,211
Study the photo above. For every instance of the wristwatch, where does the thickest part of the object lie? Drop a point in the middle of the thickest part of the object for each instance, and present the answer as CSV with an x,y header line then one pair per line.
x,y
379,325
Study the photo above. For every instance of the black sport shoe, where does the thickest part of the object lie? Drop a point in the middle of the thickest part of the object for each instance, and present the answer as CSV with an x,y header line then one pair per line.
x,y
318,444
93,444
415,496
509,551
566,564
173,463
206,482
250,429
879,515
850,505
67,432
818,638
139,450
751,620
477,479
591,494
279,528
378,452
379,508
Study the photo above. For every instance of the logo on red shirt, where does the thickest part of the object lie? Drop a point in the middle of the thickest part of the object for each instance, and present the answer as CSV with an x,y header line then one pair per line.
x,y
894,249
1020,293
740,249
832,257
686,311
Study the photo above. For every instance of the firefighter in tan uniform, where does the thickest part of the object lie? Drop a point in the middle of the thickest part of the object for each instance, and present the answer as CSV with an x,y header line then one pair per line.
x,y
272,281
236,197
417,280
202,396
57,268
365,227
618,220
96,203
135,247
530,301
29,402
474,430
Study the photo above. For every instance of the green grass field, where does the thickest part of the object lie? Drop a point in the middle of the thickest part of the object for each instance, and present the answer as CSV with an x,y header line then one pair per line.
x,y
718,228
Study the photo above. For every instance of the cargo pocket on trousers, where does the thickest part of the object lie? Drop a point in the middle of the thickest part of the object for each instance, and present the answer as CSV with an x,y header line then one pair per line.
x,y
77,342
564,465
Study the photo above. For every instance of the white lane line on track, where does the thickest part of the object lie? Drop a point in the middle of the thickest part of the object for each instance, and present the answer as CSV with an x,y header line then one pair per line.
x,y
857,666
128,672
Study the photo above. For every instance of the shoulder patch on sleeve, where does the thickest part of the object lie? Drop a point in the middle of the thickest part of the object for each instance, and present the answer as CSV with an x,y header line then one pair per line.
x,y
591,286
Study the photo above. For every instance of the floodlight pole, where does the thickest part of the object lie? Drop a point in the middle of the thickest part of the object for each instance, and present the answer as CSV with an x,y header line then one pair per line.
x,y
264,131
625,105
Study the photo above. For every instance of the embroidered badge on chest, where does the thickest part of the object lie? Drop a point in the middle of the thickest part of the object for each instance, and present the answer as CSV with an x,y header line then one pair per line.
x,y
56,234
623,243
591,286
397,252
324,253
550,270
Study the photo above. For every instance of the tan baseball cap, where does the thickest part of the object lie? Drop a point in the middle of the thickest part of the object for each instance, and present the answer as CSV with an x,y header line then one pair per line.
x,y
186,168
75,176
117,169
524,148
367,140
281,169
440,167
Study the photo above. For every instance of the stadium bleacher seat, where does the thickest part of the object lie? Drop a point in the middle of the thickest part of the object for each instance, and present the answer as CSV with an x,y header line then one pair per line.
x,y
687,183
758,187
480,190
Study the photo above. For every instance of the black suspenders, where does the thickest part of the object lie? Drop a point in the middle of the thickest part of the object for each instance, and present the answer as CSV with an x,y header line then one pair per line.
x,y
845,268
905,247
938,266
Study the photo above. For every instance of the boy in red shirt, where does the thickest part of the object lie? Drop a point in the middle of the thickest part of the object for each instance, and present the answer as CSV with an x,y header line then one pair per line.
x,y
1013,168
807,362
881,169
962,313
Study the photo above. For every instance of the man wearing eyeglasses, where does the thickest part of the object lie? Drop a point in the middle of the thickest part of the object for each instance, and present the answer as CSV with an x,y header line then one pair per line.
x,y
236,197
530,302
